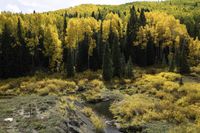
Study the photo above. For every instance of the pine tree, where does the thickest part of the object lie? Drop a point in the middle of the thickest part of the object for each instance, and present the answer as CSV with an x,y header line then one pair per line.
x,y
101,45
107,64
142,18
116,58
23,53
184,66
99,15
7,53
64,34
93,15
123,66
82,55
111,37
131,34
70,64
94,58
129,69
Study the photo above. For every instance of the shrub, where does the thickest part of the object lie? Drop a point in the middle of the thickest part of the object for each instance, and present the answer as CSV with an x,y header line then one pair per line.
x,y
159,98
133,110
95,89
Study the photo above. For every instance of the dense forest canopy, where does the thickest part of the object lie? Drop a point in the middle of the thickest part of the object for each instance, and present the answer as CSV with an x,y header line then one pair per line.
x,y
76,39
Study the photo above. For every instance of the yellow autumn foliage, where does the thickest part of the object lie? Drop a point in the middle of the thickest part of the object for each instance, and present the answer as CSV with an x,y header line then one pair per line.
x,y
161,27
76,30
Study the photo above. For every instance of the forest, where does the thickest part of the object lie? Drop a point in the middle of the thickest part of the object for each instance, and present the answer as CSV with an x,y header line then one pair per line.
x,y
141,59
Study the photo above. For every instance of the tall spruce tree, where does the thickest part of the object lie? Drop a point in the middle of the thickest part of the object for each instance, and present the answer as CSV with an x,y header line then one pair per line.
x,y
107,64
142,17
101,45
70,64
94,58
23,53
82,62
183,66
111,37
123,65
64,34
116,58
132,29
7,52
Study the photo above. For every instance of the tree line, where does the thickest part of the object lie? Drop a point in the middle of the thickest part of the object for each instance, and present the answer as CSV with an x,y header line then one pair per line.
x,y
73,43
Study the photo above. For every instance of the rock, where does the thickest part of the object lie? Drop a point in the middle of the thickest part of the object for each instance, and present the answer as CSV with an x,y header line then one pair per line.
x,y
8,120
74,123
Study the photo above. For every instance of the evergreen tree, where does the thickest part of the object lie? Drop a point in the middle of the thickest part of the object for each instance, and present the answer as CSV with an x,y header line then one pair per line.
x,y
131,34
100,45
70,64
142,18
129,69
116,58
64,34
184,66
93,15
123,66
107,64
8,69
94,58
82,55
100,17
23,59
111,37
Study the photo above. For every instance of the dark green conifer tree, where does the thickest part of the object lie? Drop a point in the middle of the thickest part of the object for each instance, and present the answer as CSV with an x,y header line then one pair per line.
x,y
142,17
107,64
111,37
70,64
7,52
82,62
131,33
184,65
116,58
123,66
64,34
23,57
101,45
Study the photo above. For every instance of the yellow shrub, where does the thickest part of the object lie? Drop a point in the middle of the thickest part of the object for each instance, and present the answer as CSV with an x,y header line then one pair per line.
x,y
94,91
133,109
170,86
170,76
